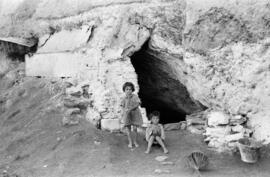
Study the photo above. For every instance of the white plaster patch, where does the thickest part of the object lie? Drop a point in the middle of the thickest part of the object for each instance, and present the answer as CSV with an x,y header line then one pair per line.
x,y
54,64
65,40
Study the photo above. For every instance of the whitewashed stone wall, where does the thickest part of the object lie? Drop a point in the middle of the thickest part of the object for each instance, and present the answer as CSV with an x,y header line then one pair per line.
x,y
95,56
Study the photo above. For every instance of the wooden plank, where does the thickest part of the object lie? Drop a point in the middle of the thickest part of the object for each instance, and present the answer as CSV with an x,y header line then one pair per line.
x,y
19,41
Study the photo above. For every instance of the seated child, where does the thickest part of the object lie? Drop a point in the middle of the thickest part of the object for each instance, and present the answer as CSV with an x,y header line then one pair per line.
x,y
155,132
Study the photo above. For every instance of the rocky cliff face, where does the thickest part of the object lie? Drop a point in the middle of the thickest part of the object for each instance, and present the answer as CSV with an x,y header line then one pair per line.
x,y
226,51
197,54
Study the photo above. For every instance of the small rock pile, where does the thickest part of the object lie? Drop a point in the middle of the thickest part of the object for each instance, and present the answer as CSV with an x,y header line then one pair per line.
x,y
196,122
162,160
223,131
77,100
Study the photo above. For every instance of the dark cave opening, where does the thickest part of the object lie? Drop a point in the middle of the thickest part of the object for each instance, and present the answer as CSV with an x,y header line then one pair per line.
x,y
167,115
157,90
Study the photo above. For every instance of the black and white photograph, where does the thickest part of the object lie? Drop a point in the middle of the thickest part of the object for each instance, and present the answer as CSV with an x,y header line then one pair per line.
x,y
134,88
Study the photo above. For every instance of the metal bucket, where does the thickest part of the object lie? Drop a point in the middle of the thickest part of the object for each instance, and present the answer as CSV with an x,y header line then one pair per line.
x,y
249,150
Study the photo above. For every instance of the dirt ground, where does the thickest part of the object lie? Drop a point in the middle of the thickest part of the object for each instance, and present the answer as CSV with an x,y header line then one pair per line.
x,y
84,151
34,143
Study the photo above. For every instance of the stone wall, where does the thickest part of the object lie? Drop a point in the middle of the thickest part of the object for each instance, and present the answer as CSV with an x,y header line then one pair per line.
x,y
96,52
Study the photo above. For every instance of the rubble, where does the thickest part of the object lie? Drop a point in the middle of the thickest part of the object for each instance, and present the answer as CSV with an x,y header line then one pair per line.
x,y
72,111
159,171
196,129
221,130
77,102
237,120
217,118
218,131
238,128
68,121
167,163
195,123
161,158
234,137
225,130
175,126
93,116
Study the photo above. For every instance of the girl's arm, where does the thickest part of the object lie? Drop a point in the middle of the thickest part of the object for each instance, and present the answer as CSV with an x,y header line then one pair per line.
x,y
136,104
162,132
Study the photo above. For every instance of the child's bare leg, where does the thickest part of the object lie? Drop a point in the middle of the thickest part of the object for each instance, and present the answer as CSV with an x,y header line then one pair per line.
x,y
135,136
160,141
150,142
129,136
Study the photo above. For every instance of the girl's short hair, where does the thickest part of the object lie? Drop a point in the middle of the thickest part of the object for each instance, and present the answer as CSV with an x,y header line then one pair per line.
x,y
154,113
128,84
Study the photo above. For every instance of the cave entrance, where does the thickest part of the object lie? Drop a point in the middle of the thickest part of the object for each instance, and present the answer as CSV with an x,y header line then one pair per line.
x,y
159,90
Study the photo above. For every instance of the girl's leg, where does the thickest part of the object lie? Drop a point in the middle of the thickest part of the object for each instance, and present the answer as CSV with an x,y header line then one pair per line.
x,y
150,142
159,140
129,136
135,136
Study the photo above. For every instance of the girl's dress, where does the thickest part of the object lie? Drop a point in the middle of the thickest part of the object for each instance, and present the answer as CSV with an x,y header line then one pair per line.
x,y
135,116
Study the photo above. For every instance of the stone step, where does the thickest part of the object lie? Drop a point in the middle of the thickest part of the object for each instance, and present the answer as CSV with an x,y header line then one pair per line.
x,y
110,124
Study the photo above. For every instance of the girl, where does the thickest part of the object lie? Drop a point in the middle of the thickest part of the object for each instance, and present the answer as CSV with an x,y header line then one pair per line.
x,y
155,132
131,115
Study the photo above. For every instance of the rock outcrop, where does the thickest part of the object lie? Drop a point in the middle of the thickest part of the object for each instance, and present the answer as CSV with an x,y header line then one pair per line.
x,y
212,54
226,57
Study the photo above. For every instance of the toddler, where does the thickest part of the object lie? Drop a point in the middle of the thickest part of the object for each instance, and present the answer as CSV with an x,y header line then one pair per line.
x,y
155,132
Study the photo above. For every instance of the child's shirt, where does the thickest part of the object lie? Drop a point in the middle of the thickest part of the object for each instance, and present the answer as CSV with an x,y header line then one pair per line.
x,y
154,130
